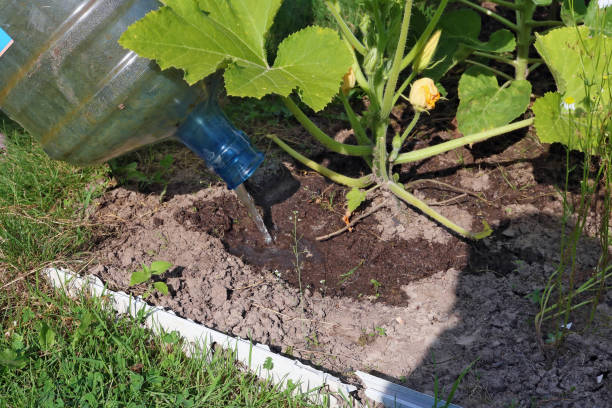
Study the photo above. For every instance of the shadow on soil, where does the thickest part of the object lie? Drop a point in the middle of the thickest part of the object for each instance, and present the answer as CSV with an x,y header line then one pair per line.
x,y
495,306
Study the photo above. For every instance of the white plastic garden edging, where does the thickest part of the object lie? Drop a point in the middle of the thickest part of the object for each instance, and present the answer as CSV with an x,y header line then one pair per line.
x,y
251,355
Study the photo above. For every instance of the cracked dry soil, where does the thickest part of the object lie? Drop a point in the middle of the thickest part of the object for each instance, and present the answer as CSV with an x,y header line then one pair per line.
x,y
439,304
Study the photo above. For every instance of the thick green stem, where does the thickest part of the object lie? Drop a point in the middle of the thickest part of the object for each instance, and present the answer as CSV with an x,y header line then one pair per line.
x,y
332,175
334,9
428,152
399,191
380,151
492,14
396,68
325,140
360,133
418,47
523,16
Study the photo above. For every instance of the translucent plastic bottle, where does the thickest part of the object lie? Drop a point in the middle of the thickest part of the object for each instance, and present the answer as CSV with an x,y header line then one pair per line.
x,y
66,80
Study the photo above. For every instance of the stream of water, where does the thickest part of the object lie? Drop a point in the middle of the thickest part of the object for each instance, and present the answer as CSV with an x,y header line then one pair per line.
x,y
248,202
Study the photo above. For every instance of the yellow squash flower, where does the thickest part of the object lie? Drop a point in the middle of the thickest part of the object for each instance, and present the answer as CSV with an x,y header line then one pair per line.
x,y
423,94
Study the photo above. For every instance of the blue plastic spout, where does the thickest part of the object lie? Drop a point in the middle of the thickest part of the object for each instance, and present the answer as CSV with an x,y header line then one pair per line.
x,y
225,149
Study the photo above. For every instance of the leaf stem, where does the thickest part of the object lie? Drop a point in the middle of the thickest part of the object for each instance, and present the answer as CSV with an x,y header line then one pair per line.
x,y
544,23
324,139
396,68
360,133
495,57
492,14
507,4
334,9
403,87
399,191
404,135
495,71
428,152
332,175
359,76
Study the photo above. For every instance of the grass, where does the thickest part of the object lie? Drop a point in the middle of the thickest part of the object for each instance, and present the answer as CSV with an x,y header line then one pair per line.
x,y
58,352
55,351
43,204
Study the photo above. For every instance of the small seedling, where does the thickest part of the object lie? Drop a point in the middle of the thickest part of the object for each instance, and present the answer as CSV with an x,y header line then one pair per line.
x,y
554,338
376,284
535,296
380,331
146,273
313,340
345,276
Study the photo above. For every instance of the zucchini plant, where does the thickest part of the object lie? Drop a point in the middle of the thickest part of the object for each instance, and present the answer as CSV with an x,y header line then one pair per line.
x,y
316,64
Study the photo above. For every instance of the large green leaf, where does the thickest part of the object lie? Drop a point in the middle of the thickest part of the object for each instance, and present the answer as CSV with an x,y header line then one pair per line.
x,y
485,105
553,123
202,36
579,62
578,115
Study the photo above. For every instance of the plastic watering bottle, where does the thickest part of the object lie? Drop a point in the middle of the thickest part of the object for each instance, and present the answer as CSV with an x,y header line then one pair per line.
x,y
66,80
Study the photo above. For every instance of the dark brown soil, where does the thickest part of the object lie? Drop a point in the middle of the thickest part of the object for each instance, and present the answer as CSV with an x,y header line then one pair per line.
x,y
356,264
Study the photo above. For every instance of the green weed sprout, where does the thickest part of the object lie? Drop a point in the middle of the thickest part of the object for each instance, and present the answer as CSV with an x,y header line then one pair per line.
x,y
146,273
382,60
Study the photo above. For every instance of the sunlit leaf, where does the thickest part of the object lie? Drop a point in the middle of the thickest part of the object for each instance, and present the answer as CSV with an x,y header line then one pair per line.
x,y
161,287
354,198
139,277
201,37
485,105
159,267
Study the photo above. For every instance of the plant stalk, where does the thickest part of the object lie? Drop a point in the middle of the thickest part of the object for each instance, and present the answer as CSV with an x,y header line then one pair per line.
x,y
488,68
324,139
492,14
404,135
428,152
396,68
332,175
399,191
334,9
360,133
523,43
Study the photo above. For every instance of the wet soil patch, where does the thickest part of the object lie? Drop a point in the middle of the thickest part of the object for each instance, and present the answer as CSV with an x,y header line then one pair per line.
x,y
358,264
